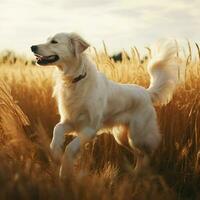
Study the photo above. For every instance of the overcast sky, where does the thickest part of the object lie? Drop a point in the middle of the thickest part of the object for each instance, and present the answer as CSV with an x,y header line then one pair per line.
x,y
120,23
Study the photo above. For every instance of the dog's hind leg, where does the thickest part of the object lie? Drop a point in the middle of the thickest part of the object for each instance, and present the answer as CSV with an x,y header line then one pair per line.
x,y
59,138
143,136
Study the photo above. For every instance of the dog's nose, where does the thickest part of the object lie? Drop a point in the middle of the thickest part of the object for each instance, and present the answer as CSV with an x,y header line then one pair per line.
x,y
34,48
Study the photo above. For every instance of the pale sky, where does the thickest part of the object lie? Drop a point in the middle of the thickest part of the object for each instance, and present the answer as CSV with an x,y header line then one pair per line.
x,y
120,23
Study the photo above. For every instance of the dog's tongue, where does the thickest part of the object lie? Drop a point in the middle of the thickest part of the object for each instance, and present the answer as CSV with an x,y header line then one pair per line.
x,y
39,57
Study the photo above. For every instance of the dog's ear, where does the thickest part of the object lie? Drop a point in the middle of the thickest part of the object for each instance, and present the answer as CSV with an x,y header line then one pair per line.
x,y
79,45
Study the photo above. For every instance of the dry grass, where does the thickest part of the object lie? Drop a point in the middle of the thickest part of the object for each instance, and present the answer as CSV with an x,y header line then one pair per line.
x,y
28,114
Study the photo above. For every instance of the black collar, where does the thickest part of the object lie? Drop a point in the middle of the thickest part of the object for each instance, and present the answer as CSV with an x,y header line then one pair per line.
x,y
78,78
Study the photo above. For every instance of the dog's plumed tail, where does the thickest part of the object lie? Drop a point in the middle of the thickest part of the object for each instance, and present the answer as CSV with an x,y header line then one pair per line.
x,y
163,70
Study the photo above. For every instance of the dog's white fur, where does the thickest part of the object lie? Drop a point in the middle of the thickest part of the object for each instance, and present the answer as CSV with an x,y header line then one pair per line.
x,y
95,102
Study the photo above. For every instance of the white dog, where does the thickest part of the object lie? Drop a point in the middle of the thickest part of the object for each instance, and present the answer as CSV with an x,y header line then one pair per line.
x,y
88,101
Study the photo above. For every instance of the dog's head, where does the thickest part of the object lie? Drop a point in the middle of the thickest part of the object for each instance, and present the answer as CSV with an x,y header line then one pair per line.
x,y
63,49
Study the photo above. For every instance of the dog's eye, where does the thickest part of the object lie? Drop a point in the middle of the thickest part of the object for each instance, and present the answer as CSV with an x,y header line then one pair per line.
x,y
54,42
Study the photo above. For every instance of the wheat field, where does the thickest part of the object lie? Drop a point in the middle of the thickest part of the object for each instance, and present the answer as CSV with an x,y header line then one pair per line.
x,y
28,114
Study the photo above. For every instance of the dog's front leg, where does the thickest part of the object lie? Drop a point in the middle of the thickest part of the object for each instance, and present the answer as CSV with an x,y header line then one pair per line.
x,y
73,148
58,138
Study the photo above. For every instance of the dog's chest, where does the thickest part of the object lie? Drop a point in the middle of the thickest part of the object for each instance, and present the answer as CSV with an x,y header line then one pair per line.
x,y
71,105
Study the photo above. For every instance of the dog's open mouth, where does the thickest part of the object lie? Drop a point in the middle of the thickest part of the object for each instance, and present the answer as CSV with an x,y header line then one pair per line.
x,y
45,60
